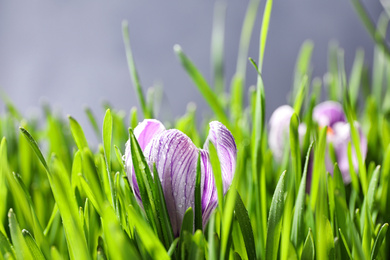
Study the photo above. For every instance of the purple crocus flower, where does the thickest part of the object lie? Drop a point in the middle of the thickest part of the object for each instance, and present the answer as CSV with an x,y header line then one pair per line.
x,y
331,114
176,157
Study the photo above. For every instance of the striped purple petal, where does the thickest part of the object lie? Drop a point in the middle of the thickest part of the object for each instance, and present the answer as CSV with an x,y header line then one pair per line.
x,y
328,113
225,145
144,132
175,157
208,188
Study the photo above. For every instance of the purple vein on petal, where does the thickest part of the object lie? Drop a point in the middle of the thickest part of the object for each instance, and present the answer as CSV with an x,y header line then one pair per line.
x,y
226,148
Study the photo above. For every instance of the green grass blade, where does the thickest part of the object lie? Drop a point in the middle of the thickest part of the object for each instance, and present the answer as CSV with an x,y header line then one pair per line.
x,y
107,137
32,245
78,133
117,243
202,85
67,205
246,33
318,167
3,183
133,71
297,232
227,222
345,244
301,93
173,246
21,249
148,238
379,240
308,251
258,175
93,122
372,188
145,182
216,166
245,226
198,197
370,26
264,31
162,211
275,220
355,76
34,146
188,223
302,66
295,151
5,247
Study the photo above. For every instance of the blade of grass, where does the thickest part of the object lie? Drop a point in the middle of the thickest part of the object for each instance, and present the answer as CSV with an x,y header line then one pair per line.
x,y
32,245
148,238
78,133
264,31
5,247
297,232
245,226
107,137
202,85
379,240
308,251
145,183
295,151
133,71
275,219
198,198
345,244
355,76
93,122
370,26
21,249
162,210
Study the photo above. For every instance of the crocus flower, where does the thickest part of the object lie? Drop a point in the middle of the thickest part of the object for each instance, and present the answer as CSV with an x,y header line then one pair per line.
x,y
331,114
279,128
176,158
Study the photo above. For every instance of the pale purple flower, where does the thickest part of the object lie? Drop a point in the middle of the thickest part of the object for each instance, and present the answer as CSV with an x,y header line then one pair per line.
x,y
331,114
328,113
279,128
176,158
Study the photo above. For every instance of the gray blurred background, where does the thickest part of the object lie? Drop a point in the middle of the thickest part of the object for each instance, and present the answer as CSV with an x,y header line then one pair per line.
x,y
71,54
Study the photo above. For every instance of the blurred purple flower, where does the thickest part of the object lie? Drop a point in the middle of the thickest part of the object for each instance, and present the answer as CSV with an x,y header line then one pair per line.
x,y
331,114
279,128
176,158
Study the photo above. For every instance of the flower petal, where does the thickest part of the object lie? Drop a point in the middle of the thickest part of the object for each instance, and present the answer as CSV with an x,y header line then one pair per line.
x,y
175,157
144,132
328,113
340,140
225,145
279,125
208,188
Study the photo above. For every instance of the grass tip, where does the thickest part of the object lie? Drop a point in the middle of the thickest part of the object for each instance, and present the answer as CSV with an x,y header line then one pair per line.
x,y
125,23
177,48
